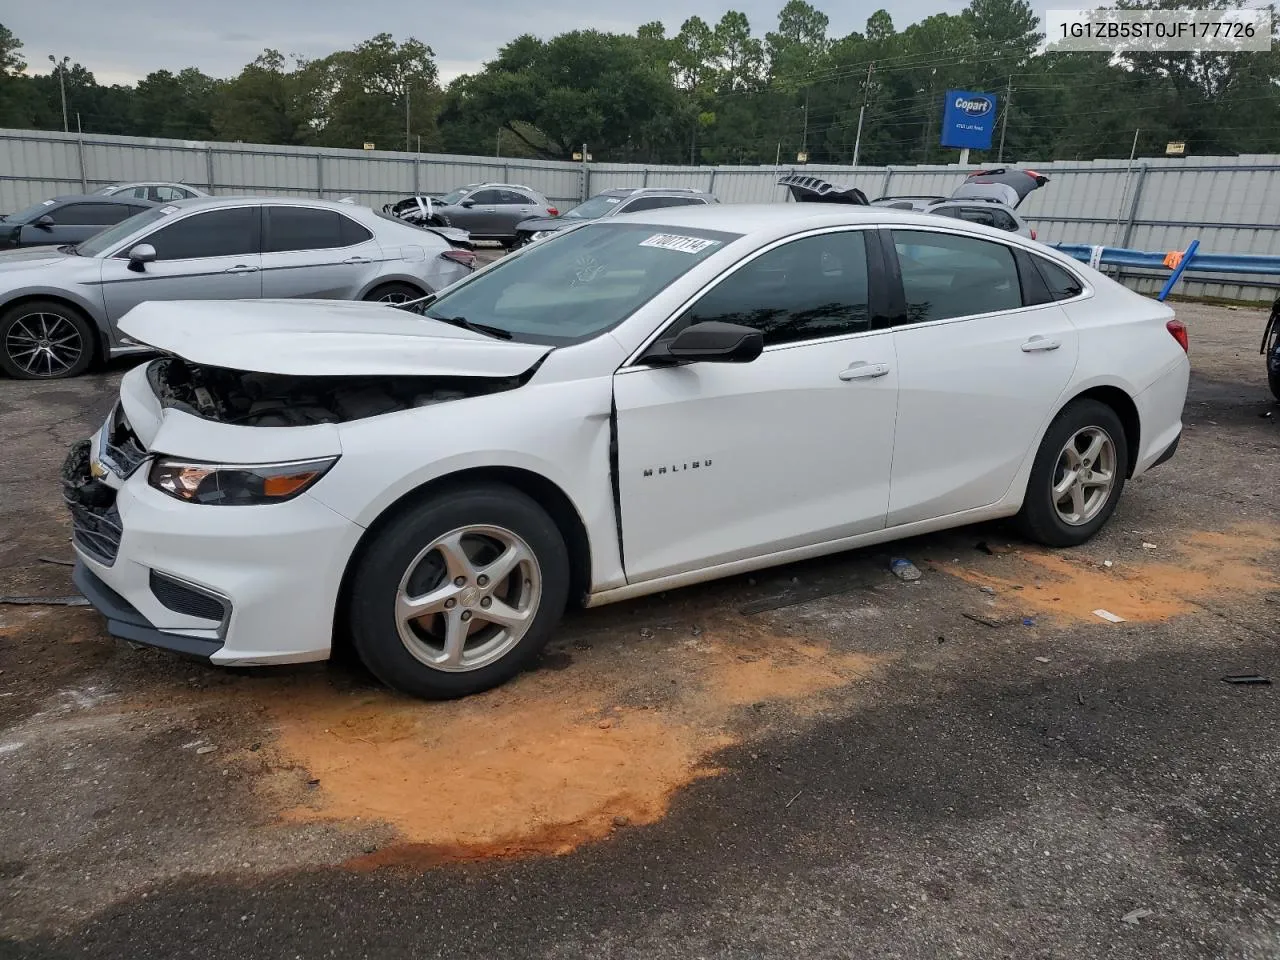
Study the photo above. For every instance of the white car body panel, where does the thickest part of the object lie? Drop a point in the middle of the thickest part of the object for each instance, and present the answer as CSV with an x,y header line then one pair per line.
x,y
794,459
324,338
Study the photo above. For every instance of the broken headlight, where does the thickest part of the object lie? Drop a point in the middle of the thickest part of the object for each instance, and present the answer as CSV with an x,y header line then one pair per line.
x,y
220,484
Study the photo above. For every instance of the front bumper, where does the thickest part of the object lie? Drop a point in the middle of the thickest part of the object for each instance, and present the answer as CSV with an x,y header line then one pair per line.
x,y
240,586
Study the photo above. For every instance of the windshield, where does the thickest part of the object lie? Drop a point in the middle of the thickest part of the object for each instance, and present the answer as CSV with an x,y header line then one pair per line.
x,y
597,206
31,213
577,285
109,237
453,196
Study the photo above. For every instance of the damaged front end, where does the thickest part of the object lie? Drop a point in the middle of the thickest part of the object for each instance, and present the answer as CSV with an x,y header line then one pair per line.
x,y
252,399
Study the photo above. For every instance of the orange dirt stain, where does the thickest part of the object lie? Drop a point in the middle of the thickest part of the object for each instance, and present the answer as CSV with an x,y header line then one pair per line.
x,y
1068,586
542,765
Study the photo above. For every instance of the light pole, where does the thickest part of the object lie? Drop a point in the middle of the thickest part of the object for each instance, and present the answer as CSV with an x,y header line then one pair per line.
x,y
61,67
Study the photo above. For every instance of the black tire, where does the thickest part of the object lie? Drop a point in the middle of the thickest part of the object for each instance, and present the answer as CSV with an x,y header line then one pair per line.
x,y
1273,381
27,322
387,560
1039,518
394,293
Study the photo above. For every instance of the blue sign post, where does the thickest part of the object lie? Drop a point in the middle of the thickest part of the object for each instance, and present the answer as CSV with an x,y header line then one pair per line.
x,y
968,121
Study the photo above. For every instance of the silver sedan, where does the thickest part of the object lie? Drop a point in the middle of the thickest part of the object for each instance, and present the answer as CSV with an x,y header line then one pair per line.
x,y
59,304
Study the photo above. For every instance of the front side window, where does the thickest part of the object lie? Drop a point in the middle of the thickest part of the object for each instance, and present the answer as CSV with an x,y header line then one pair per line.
x,y
945,275
453,196
169,194
217,233
90,214
657,203
306,228
486,197
807,289
577,285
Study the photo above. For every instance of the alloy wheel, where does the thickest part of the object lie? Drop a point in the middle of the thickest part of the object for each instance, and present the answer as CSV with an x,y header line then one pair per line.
x,y
1084,476
468,598
44,345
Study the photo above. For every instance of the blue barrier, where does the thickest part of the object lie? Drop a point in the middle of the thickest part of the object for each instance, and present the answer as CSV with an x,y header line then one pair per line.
x,y
1198,262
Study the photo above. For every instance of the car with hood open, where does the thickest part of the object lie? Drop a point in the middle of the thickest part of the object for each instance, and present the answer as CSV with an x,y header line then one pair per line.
x,y
636,404
59,305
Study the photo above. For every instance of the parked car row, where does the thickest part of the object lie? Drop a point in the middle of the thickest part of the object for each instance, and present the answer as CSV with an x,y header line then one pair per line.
x,y
643,401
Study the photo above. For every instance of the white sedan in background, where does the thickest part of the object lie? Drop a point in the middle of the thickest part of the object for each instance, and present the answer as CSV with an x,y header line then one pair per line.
x,y
627,407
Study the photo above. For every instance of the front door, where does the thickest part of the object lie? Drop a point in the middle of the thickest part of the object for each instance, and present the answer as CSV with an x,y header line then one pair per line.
x,y
721,462
979,373
315,253
211,255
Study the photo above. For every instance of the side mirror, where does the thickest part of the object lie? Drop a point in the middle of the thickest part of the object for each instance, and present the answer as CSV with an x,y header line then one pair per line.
x,y
467,203
140,255
710,342
45,222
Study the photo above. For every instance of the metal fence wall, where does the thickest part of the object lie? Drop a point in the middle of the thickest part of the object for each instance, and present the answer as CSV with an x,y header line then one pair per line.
x,y
1232,205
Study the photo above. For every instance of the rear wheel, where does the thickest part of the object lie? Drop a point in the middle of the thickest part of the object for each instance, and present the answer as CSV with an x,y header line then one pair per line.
x,y
394,293
459,593
45,340
1271,350
1077,477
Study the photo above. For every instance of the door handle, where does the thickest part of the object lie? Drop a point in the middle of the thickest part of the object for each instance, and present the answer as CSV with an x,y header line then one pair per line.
x,y
864,371
1037,344
357,260
241,268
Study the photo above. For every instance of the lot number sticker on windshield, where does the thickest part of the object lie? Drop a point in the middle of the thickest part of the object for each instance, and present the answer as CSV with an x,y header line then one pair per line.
x,y
669,241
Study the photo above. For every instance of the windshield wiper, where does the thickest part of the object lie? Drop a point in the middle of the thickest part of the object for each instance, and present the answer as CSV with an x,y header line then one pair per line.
x,y
496,332
69,248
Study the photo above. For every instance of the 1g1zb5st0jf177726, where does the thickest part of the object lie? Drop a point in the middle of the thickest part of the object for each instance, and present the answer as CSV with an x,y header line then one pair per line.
x,y
437,487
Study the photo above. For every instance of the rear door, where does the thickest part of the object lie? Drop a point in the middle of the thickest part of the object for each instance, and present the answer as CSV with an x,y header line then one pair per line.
x,y
211,255
982,361
313,253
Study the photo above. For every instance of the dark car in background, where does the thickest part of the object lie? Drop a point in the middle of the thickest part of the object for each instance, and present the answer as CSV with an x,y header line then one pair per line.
x,y
611,203
69,219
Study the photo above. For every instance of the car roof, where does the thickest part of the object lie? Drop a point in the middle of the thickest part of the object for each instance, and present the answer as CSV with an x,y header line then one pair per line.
x,y
213,203
776,220
98,198
632,191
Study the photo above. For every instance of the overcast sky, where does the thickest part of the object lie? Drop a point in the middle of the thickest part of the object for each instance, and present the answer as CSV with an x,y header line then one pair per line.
x,y
123,42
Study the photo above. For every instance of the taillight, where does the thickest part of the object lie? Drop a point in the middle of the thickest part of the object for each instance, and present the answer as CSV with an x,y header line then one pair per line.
x,y
464,257
553,212
1033,233
1179,331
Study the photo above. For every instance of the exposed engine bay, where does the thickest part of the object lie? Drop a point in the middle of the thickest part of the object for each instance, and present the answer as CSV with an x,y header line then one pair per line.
x,y
275,400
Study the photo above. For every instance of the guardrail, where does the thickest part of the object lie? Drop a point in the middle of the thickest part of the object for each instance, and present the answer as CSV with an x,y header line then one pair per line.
x,y
1197,262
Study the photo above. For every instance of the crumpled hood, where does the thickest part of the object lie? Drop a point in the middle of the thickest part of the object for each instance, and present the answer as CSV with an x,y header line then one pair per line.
x,y
24,258
322,338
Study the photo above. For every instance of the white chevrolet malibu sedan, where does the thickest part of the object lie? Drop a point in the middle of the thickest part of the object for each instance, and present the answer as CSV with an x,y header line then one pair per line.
x,y
626,407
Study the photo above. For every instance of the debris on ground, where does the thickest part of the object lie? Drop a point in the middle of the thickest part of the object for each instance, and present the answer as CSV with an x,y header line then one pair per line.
x,y
1108,563
46,601
1133,916
990,591
1108,616
61,563
985,621
1247,679
206,749
1148,546
904,569
983,547
1042,659
1028,621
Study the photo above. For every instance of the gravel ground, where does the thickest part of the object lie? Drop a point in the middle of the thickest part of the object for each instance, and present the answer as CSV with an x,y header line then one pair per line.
x,y
818,760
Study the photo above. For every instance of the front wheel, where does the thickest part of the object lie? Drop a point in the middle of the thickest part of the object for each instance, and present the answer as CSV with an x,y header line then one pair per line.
x,y
460,593
1077,477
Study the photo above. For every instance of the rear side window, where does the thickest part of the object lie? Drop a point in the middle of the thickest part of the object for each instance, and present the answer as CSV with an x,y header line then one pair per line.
x,y
1061,283
946,276
804,290
91,214
655,203
305,228
515,196
217,233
